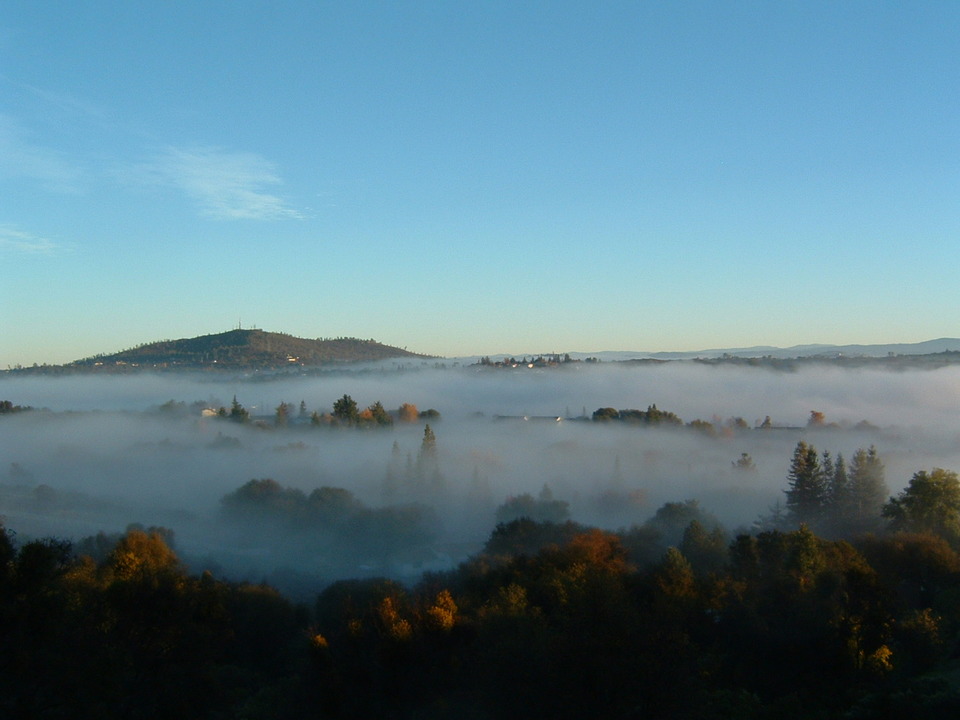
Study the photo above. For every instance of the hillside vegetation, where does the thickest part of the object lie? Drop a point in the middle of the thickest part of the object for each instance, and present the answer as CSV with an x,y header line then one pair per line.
x,y
245,349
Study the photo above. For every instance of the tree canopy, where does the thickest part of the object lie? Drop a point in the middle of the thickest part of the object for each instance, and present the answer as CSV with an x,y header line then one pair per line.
x,y
929,503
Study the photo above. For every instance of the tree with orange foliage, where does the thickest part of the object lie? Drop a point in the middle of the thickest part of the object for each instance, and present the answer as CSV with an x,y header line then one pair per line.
x,y
408,413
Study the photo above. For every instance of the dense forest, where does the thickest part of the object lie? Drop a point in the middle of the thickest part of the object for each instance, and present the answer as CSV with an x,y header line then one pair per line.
x,y
840,604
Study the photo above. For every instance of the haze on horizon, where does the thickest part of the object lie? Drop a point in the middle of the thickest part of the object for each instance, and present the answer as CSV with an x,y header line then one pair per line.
x,y
463,180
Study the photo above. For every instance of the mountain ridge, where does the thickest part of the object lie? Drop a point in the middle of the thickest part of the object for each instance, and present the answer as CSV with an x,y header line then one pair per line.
x,y
925,347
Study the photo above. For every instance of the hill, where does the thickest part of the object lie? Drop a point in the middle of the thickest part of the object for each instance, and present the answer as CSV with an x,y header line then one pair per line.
x,y
244,349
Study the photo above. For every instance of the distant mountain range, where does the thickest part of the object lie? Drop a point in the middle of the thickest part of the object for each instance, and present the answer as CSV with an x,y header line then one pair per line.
x,y
797,351
244,350
261,350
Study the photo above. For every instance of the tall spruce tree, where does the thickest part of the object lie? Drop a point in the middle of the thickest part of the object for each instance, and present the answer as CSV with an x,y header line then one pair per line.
x,y
807,491
837,502
867,489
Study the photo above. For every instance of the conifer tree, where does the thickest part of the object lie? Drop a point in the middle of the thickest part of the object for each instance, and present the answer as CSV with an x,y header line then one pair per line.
x,y
838,487
428,446
868,486
806,494
345,410
238,413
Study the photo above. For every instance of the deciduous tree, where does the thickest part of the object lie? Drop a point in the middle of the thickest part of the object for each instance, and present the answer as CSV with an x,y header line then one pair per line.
x,y
930,503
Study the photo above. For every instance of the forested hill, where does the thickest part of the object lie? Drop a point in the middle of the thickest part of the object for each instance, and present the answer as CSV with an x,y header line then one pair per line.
x,y
244,349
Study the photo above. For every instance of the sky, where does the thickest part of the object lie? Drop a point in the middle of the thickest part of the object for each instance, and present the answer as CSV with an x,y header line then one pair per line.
x,y
477,178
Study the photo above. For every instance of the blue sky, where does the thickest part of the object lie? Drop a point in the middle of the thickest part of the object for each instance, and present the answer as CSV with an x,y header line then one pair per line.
x,y
484,177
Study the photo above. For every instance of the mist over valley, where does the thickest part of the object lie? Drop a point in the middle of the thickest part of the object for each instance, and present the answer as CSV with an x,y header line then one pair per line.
x,y
96,453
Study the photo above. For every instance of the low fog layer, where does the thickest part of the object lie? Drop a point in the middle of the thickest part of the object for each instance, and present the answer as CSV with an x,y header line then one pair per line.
x,y
101,452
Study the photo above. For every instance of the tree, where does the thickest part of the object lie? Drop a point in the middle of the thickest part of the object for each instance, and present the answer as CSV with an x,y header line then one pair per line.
x,y
542,509
238,413
837,497
744,463
806,494
655,416
408,413
606,414
428,446
143,554
706,551
442,614
838,487
672,519
379,415
283,414
674,577
345,410
427,476
867,487
930,503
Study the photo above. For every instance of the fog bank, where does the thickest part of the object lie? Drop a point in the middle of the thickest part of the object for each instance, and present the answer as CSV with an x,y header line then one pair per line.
x,y
102,453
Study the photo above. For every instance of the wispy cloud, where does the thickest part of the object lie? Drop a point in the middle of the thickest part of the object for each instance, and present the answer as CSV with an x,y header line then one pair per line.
x,y
66,103
225,185
16,241
21,158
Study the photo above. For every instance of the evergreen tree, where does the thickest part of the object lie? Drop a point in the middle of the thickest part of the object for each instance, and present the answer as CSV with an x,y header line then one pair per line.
x,y
806,494
379,415
345,410
428,446
838,486
826,466
428,477
837,499
868,487
238,413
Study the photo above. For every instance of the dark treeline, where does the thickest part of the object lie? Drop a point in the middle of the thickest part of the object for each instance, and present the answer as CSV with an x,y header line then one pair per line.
x,y
134,636
328,528
670,619
7,407
842,602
